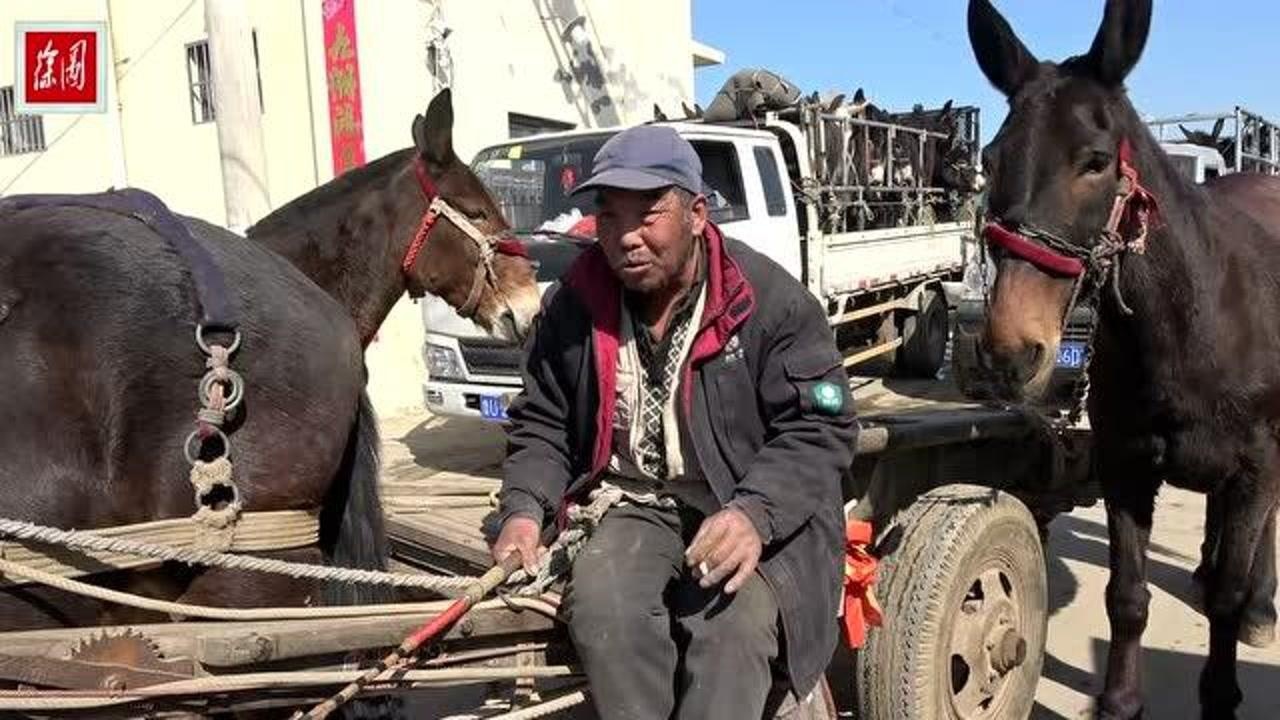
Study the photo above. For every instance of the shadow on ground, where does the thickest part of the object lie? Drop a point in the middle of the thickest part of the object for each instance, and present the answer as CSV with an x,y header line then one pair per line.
x,y
1083,540
456,445
1171,681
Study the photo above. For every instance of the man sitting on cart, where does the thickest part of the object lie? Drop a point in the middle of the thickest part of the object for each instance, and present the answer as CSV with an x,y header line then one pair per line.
x,y
698,381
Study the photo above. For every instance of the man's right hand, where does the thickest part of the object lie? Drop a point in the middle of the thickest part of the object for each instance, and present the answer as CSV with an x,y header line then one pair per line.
x,y
522,535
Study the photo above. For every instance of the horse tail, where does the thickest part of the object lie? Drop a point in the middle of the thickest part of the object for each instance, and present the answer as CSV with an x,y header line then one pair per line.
x,y
352,533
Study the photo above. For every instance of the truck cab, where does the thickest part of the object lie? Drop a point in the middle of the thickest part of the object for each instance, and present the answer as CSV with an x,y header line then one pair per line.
x,y
1196,162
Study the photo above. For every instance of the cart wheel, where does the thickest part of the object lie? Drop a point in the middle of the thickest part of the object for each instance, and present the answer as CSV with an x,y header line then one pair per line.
x,y
924,337
874,662
965,613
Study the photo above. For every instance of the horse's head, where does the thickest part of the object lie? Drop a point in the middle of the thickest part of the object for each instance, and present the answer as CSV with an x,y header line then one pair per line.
x,y
1054,172
1212,140
954,167
463,251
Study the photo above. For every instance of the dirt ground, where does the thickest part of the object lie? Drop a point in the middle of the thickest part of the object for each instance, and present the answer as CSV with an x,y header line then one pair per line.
x,y
1176,639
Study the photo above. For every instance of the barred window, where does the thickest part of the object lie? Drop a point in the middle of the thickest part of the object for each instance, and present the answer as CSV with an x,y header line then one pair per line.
x,y
200,80
18,133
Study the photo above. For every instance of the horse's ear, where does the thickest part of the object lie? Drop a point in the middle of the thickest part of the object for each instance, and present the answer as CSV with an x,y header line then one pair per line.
x,y
859,97
835,103
1120,40
1005,61
1217,128
1185,132
433,135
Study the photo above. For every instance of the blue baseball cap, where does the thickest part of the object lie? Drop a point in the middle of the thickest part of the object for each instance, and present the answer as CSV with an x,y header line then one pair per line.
x,y
646,157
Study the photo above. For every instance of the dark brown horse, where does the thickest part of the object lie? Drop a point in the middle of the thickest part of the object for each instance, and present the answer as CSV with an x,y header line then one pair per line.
x,y
353,235
1185,385
98,318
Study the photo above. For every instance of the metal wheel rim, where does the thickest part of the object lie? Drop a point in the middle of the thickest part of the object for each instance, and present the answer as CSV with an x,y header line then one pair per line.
x,y
991,608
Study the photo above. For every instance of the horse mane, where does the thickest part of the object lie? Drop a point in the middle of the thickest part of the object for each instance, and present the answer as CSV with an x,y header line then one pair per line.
x,y
323,209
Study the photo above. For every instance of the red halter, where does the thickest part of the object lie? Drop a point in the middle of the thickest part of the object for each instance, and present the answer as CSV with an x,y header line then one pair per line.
x,y
1126,229
504,244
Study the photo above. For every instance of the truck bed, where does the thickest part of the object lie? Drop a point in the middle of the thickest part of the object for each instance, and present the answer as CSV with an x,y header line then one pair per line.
x,y
439,475
867,260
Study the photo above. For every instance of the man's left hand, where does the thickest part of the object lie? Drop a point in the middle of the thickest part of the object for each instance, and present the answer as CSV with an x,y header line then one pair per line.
x,y
726,544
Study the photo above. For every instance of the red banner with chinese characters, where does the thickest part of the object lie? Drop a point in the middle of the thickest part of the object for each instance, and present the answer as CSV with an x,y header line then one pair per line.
x,y
342,75
62,66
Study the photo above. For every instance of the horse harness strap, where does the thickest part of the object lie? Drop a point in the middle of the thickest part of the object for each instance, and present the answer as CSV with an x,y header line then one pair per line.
x,y
216,310
255,532
221,390
1125,232
486,245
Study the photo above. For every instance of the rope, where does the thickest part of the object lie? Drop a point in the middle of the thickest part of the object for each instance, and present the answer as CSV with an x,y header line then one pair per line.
x,y
555,563
582,521
559,557
543,709
255,532
76,699
87,541
424,635
219,613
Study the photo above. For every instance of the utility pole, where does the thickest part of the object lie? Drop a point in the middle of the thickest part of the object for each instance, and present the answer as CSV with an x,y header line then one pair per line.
x,y
115,107
237,112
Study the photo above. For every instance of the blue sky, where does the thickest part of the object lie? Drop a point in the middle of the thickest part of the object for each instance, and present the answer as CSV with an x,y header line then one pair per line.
x,y
1201,56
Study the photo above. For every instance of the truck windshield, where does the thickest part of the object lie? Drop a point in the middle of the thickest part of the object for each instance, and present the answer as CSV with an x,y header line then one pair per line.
x,y
531,183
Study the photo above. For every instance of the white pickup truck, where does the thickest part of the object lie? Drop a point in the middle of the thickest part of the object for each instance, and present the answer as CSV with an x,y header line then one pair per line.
x,y
886,289
1206,145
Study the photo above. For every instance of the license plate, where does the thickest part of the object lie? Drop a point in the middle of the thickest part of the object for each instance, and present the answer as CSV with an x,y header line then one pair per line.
x,y
493,407
1071,355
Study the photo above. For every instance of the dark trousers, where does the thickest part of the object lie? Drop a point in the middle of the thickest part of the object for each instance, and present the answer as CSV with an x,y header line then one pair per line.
x,y
653,643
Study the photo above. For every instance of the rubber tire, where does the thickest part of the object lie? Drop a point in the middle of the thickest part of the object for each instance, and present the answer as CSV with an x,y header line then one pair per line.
x,y
924,337
875,661
966,526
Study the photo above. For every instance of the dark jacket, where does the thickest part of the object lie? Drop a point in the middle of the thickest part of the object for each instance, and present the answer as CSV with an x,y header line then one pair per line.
x,y
769,415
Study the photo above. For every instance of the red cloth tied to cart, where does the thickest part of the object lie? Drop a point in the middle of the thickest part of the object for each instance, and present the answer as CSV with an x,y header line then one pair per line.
x,y
860,605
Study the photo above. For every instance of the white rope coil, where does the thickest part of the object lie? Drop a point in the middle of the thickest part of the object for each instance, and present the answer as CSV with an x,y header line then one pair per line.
x,y
87,541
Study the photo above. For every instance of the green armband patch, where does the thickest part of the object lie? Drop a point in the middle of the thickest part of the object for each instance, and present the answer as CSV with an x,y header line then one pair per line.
x,y
827,398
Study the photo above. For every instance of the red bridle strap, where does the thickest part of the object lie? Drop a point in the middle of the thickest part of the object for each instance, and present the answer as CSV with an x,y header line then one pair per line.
x,y
1135,206
429,192
1125,231
1034,253
504,245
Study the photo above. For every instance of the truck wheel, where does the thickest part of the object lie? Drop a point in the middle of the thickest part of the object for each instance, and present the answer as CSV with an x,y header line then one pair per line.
x,y
924,337
969,615
875,664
